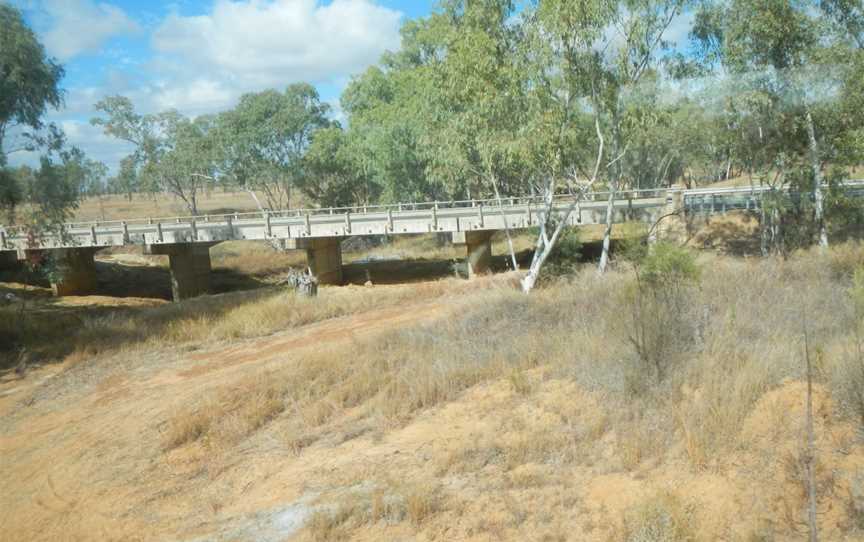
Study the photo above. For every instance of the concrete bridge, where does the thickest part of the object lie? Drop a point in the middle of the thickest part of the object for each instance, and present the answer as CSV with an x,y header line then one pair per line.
x,y
187,240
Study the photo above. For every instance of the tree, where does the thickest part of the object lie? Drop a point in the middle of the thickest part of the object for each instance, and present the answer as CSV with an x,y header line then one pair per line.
x,y
777,50
126,181
29,85
264,138
333,175
172,153
29,81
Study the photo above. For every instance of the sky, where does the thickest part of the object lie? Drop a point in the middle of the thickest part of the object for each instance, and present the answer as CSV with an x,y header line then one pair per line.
x,y
199,56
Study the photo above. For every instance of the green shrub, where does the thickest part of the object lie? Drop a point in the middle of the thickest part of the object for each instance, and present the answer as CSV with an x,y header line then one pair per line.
x,y
660,328
668,265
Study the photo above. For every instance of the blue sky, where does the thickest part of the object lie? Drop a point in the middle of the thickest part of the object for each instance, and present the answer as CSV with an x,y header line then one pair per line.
x,y
199,56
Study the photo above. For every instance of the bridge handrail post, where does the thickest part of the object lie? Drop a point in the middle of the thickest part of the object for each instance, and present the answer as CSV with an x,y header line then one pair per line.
x,y
159,234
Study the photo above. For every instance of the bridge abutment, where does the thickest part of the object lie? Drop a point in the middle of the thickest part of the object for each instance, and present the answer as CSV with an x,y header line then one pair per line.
x,y
74,271
323,256
478,245
190,268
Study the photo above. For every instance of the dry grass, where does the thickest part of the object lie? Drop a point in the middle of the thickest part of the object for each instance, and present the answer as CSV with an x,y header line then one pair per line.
x,y
659,518
48,333
116,207
388,503
747,340
555,373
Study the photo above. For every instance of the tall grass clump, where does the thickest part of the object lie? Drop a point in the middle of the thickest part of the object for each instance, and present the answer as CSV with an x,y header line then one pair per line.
x,y
848,374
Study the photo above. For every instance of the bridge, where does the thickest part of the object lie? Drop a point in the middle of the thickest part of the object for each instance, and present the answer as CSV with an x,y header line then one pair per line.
x,y
187,240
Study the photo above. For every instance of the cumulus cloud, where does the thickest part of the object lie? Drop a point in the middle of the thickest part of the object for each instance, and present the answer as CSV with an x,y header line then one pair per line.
x,y
256,44
80,26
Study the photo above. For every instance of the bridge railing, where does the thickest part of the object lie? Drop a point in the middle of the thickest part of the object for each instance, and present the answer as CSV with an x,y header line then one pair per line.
x,y
356,209
700,200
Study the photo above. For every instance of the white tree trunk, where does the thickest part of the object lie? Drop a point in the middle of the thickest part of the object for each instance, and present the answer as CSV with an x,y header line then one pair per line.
x,y
607,232
818,198
506,224
544,243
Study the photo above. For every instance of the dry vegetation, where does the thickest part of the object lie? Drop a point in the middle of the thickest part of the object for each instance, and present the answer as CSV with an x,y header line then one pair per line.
x,y
526,417
49,333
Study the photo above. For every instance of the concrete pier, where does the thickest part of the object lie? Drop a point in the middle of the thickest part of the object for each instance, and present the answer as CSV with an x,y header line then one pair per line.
x,y
323,256
190,267
479,250
73,271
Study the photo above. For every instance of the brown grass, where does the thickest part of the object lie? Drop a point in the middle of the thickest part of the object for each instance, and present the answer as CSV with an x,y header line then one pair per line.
x,y
551,376
748,340
48,333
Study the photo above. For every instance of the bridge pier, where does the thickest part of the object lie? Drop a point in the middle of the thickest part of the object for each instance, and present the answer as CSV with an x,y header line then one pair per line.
x,y
323,256
479,248
74,271
190,267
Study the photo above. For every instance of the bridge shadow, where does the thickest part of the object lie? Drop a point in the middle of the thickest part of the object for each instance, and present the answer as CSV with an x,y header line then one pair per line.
x,y
131,305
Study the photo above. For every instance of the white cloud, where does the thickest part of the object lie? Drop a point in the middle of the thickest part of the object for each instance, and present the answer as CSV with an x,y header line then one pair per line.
x,y
256,44
79,26
85,136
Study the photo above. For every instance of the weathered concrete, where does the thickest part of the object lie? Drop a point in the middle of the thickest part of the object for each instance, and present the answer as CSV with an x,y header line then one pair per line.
x,y
479,249
73,271
323,256
190,267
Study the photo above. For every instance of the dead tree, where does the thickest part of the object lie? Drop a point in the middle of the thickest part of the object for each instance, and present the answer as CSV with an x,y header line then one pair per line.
x,y
301,282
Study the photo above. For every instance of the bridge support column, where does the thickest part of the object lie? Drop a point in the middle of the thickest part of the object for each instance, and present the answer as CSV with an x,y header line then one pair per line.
x,y
479,248
74,271
190,267
323,256
673,227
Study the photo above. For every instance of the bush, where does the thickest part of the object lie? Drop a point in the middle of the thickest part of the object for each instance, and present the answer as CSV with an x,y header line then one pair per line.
x,y
660,328
668,265
662,518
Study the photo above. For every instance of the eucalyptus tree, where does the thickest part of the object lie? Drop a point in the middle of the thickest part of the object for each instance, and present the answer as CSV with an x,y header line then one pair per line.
x,y
334,173
263,139
389,108
29,82
172,153
29,87
778,50
596,54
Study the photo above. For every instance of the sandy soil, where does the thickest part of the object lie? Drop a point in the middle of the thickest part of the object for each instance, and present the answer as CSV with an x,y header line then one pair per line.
x,y
82,460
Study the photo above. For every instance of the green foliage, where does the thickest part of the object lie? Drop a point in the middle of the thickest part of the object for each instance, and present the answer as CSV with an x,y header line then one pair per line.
x,y
334,176
263,140
668,265
660,328
29,79
172,153
567,253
